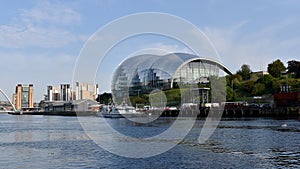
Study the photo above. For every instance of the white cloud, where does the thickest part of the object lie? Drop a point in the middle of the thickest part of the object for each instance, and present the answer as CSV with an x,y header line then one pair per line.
x,y
20,37
45,25
46,12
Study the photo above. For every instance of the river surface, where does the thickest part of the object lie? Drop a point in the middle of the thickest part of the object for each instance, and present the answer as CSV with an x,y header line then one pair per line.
x,y
60,142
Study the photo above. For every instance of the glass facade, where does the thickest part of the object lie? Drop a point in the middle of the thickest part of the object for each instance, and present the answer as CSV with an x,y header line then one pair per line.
x,y
143,74
25,96
195,72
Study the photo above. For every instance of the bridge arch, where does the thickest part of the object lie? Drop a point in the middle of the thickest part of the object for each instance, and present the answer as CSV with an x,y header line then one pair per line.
x,y
4,94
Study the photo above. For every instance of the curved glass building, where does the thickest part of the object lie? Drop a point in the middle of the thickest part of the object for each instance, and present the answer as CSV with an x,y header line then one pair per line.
x,y
144,74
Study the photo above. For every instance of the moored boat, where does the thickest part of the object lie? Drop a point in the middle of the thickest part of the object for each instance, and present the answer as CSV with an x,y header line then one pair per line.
x,y
124,111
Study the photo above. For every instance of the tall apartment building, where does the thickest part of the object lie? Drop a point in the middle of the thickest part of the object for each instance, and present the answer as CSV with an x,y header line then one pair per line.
x,y
65,92
23,97
86,91
53,93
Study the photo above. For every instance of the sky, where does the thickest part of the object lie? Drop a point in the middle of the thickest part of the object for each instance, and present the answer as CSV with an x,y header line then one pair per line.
x,y
40,41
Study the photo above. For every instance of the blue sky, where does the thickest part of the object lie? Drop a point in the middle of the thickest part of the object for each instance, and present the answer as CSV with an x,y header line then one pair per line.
x,y
40,40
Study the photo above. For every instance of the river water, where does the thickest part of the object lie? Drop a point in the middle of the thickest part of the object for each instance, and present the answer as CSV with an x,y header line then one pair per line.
x,y
60,142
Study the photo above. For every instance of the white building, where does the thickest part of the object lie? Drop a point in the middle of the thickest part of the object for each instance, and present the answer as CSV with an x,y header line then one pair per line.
x,y
65,92
53,93
86,91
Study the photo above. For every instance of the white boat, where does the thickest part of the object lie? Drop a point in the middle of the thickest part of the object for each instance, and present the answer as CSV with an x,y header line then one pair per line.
x,y
111,111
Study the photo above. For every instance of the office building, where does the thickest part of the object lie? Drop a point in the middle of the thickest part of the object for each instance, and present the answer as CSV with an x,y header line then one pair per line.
x,y
86,91
23,96
65,92
53,93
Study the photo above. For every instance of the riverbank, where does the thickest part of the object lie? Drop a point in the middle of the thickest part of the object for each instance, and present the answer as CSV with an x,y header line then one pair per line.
x,y
237,112
227,112
56,113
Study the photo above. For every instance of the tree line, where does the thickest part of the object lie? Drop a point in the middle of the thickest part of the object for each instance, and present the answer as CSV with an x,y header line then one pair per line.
x,y
245,83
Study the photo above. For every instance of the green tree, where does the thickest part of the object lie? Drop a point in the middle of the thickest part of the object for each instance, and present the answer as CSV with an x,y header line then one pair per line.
x,y
276,86
275,68
104,98
294,67
238,77
230,94
247,86
267,80
245,72
137,100
234,81
258,89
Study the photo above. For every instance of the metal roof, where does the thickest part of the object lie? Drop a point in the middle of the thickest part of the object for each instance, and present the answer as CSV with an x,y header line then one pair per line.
x,y
168,64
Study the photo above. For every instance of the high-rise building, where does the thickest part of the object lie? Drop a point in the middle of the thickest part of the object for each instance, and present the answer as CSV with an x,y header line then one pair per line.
x,y
86,91
23,97
49,93
65,92
53,93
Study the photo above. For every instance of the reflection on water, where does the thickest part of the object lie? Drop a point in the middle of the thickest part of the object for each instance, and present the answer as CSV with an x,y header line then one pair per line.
x,y
55,142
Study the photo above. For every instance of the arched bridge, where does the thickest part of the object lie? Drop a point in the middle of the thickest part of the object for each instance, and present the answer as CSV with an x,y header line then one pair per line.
x,y
4,94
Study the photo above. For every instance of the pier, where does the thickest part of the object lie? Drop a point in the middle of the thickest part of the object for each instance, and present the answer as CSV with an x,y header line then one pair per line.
x,y
56,113
287,112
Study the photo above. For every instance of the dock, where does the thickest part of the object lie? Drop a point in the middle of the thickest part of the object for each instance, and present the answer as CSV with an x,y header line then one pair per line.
x,y
227,112
56,113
